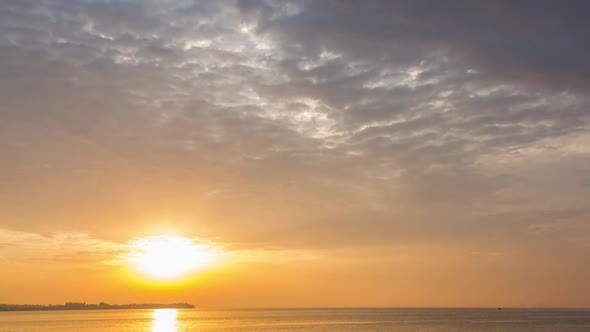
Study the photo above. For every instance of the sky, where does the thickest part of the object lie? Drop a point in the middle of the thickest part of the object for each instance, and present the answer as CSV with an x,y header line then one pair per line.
x,y
335,153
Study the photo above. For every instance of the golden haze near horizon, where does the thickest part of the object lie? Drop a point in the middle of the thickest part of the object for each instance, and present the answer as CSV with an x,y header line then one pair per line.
x,y
293,154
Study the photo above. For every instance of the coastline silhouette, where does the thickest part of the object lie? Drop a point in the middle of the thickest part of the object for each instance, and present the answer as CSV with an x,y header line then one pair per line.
x,y
85,306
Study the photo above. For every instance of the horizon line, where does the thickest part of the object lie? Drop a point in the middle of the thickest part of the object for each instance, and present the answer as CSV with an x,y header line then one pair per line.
x,y
304,307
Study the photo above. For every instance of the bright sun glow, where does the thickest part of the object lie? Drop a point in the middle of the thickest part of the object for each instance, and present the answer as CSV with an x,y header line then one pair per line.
x,y
169,256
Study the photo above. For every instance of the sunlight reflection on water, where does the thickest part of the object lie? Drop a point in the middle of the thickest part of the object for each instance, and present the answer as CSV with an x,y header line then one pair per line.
x,y
299,320
164,320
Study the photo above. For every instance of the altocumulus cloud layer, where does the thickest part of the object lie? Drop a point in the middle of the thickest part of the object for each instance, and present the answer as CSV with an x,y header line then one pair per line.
x,y
305,124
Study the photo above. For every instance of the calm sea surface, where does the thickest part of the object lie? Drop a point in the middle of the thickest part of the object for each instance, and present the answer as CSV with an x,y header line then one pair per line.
x,y
308,320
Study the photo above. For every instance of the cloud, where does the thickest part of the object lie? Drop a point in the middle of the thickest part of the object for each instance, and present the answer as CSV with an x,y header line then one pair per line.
x,y
525,41
317,124
70,248
80,249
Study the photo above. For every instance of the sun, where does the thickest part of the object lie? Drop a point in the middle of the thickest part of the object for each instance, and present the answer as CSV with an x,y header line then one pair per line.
x,y
169,256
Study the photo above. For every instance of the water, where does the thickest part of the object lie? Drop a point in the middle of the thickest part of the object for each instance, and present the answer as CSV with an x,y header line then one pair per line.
x,y
304,320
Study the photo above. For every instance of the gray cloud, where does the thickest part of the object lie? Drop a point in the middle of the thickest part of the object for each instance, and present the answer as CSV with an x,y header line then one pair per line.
x,y
317,123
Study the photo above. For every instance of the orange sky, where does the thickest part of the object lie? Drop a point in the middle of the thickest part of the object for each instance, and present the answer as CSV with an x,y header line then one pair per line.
x,y
334,153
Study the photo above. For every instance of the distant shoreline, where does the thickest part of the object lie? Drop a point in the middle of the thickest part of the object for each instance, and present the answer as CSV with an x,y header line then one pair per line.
x,y
84,306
